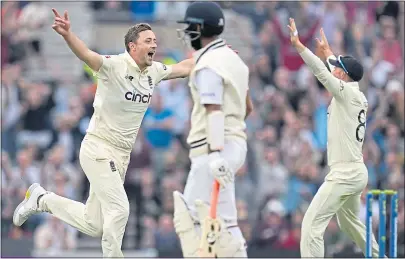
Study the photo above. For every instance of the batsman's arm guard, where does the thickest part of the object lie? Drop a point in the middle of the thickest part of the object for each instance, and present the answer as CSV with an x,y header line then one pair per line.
x,y
216,141
216,130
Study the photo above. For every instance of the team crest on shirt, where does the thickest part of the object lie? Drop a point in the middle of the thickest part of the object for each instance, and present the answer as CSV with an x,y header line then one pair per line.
x,y
129,77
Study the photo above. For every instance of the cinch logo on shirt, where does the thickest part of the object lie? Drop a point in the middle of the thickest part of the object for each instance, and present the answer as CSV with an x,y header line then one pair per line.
x,y
137,98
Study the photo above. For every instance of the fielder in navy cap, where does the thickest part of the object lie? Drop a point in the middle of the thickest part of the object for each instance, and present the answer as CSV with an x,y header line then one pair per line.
x,y
347,116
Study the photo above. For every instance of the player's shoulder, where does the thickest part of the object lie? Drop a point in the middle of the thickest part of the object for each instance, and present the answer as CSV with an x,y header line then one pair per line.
x,y
225,55
224,51
114,56
114,59
235,58
158,66
354,96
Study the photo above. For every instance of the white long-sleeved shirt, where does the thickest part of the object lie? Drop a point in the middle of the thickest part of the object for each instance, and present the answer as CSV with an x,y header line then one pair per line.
x,y
122,98
347,114
219,77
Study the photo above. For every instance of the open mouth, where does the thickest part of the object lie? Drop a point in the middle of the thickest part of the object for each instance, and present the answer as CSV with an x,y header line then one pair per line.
x,y
151,53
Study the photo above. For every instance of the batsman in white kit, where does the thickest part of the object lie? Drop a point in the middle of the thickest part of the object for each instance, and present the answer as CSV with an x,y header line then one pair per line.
x,y
219,88
124,90
340,193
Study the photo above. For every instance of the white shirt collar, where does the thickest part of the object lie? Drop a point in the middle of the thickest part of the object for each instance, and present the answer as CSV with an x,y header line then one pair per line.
x,y
133,63
199,52
353,84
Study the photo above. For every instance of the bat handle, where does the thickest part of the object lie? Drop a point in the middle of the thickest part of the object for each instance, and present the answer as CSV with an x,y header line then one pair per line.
x,y
214,199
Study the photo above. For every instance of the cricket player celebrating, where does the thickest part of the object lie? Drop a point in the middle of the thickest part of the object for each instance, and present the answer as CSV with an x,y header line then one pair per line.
x,y
217,139
340,193
124,90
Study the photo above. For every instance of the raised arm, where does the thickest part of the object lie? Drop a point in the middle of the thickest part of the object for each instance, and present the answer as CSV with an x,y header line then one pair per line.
x,y
181,69
315,64
62,26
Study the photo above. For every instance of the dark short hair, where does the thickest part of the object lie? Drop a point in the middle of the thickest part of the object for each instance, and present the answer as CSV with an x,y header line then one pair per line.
x,y
133,33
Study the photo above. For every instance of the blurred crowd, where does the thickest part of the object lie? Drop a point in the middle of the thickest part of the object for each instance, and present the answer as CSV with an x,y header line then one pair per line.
x,y
41,129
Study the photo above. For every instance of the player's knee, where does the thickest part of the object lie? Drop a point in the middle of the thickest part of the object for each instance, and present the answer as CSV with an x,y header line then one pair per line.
x,y
95,227
123,211
305,226
118,214
97,231
344,226
304,239
115,223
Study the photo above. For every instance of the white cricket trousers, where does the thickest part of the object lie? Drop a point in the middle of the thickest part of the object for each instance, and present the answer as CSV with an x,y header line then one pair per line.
x,y
106,211
200,181
339,195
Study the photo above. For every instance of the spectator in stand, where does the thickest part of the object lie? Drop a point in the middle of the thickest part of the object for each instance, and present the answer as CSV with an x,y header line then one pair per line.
x,y
38,103
289,57
389,43
176,99
8,193
12,50
159,122
31,21
44,237
11,107
272,223
166,241
272,173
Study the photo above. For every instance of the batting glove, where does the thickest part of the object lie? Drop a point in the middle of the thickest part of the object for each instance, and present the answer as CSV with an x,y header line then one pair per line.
x,y
220,169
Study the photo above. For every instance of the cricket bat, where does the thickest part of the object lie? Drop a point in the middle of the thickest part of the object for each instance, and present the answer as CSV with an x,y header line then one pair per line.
x,y
211,227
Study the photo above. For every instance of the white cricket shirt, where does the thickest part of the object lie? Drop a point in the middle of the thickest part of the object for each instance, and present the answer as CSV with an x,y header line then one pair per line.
x,y
347,114
123,95
219,77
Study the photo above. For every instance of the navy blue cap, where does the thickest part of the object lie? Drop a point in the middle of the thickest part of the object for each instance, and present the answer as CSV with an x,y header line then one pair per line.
x,y
350,65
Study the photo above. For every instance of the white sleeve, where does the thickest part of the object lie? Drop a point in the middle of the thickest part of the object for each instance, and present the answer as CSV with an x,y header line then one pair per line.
x,y
210,86
105,69
162,71
334,85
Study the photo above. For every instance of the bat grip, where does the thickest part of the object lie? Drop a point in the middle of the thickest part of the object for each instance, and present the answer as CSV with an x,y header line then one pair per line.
x,y
214,199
